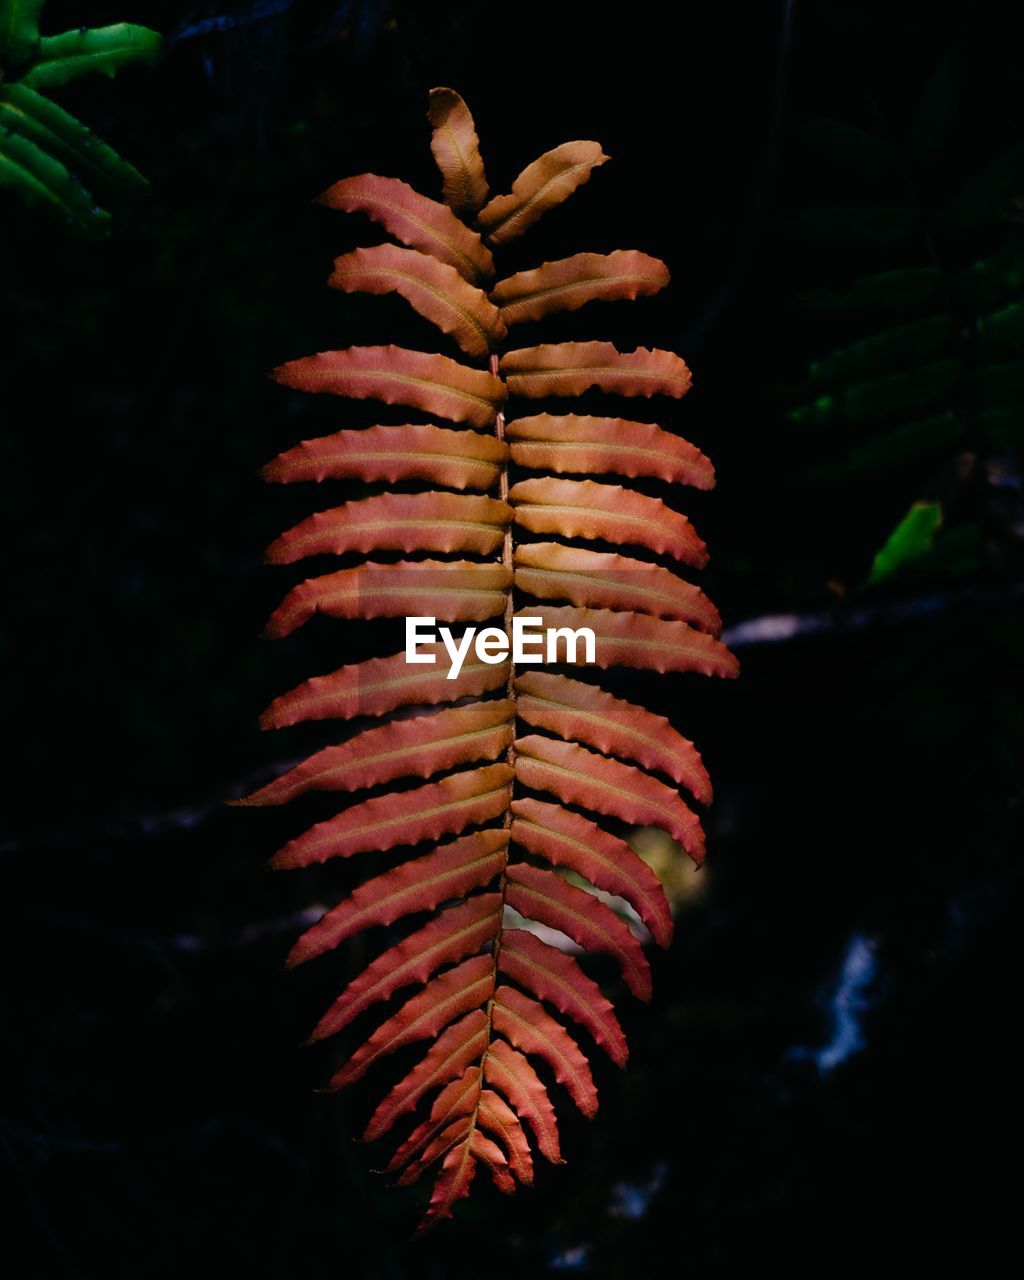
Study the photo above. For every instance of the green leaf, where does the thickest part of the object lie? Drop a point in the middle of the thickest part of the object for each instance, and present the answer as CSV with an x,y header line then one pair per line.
x,y
55,131
45,183
914,288
104,49
910,540
19,30
881,398
908,343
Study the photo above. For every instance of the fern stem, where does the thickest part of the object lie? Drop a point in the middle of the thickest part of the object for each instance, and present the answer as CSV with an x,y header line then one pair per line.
x,y
510,755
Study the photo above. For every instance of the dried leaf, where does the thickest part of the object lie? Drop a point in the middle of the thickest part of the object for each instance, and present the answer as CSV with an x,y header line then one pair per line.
x,y
542,185
433,288
570,368
567,284
584,713
547,897
567,839
585,509
419,451
431,521
456,590
456,149
402,749
634,640
405,817
603,580
554,976
380,685
578,776
418,222
398,376
420,885
592,446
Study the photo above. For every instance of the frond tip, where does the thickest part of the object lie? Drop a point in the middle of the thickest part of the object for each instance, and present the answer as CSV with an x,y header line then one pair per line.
x,y
499,789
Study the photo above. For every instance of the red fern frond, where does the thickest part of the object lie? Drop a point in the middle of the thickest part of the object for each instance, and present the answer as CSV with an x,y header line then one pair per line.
x,y
504,780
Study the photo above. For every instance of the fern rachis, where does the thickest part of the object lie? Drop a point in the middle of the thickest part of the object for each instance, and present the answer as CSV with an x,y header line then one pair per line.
x,y
513,768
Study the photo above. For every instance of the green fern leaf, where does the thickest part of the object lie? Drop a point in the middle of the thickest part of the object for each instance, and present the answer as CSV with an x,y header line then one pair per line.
x,y
46,154
72,54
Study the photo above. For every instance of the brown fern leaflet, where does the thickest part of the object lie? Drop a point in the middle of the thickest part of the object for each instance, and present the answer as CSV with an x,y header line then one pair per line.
x,y
518,766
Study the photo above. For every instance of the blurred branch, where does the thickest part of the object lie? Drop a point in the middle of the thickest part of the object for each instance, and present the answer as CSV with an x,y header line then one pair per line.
x,y
776,628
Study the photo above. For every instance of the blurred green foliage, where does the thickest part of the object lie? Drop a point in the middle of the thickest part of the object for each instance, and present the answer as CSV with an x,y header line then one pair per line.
x,y
46,155
923,380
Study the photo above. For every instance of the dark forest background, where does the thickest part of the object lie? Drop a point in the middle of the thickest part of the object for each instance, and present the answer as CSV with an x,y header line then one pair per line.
x,y
829,1074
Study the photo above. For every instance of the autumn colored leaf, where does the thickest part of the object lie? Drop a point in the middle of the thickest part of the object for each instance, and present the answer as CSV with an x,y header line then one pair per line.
x,y
420,885
567,839
455,992
570,368
430,521
456,1099
418,451
404,817
634,640
603,580
432,288
495,1114
592,446
541,186
400,749
605,785
398,376
489,791
456,933
458,590
586,509
511,1072
456,149
567,284
418,222
380,685
528,1027
454,1049
556,977
583,712
547,897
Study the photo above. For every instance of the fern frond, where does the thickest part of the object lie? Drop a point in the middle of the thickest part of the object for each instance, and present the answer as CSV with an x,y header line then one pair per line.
x,y
520,773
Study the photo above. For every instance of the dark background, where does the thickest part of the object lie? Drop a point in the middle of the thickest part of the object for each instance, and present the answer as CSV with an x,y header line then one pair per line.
x,y
829,1074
